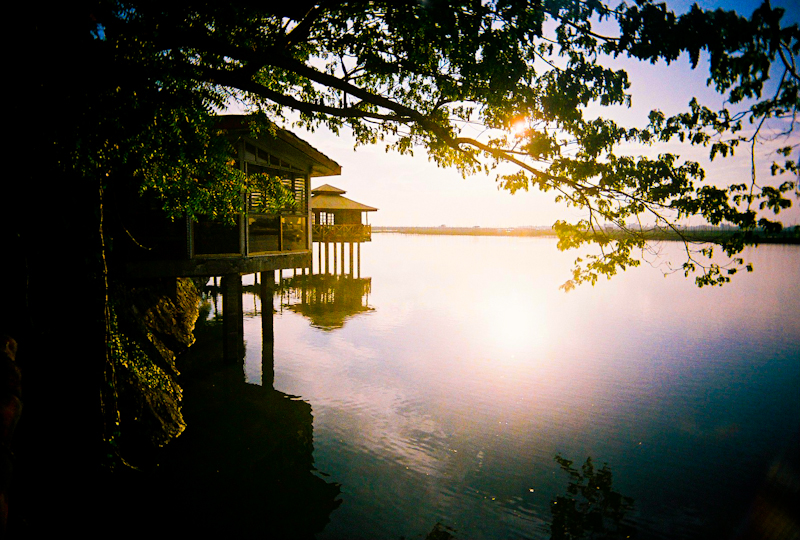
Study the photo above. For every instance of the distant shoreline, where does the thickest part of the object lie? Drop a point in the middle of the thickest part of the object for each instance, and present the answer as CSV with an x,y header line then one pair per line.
x,y
469,231
789,235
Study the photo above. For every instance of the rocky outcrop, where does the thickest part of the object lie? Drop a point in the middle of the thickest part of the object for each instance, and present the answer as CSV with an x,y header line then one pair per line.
x,y
155,324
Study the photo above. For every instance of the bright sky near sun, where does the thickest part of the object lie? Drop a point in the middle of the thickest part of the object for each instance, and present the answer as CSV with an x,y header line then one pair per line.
x,y
412,191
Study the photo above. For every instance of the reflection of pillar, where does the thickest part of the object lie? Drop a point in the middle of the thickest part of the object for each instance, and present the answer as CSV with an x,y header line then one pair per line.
x,y
267,291
232,318
268,361
351,258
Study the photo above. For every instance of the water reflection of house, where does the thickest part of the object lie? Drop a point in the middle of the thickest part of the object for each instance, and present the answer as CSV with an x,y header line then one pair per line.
x,y
326,300
338,220
244,469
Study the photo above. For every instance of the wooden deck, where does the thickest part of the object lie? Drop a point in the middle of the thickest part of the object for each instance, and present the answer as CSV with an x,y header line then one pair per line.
x,y
222,265
341,233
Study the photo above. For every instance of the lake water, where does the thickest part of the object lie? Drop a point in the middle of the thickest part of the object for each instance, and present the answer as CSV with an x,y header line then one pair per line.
x,y
443,384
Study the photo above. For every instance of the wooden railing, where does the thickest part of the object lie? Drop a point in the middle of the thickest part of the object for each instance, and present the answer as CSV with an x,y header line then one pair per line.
x,y
342,233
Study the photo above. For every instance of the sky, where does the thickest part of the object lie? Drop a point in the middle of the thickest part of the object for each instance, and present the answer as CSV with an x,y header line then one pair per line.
x,y
411,191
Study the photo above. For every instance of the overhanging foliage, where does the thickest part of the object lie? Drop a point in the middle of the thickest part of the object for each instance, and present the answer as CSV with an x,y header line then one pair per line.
x,y
416,73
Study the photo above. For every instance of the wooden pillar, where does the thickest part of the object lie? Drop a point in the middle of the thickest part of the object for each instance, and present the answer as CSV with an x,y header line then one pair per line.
x,y
232,319
215,295
359,259
326,258
243,247
343,269
335,261
351,259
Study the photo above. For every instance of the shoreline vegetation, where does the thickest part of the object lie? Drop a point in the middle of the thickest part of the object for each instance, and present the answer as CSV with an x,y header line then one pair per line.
x,y
789,235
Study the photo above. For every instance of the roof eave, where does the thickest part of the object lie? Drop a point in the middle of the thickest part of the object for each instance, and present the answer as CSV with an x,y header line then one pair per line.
x,y
321,165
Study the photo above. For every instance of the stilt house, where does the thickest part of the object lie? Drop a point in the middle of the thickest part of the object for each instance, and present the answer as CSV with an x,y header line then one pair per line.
x,y
337,218
259,240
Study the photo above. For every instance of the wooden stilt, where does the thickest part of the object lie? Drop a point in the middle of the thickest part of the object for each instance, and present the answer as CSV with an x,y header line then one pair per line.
x,y
232,319
351,259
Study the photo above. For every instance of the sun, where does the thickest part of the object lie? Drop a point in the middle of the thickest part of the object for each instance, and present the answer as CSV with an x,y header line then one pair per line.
x,y
519,127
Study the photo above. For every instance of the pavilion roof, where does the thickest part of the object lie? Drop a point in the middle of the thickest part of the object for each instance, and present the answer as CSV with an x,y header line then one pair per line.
x,y
327,189
327,197
337,202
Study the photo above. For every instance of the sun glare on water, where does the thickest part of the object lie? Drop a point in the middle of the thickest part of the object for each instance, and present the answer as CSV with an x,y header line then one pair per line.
x,y
515,329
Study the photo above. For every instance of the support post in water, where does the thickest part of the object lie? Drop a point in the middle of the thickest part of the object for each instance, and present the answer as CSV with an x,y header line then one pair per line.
x,y
351,259
232,318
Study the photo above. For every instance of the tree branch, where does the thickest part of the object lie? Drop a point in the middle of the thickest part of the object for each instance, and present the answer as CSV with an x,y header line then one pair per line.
x,y
301,31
